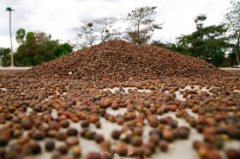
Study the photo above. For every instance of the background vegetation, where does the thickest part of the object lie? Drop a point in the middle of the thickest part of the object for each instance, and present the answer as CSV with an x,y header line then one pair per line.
x,y
217,44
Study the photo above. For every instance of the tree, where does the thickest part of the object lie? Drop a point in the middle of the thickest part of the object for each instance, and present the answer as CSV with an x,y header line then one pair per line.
x,y
233,21
231,59
171,46
63,49
38,47
5,56
142,24
20,35
208,43
199,20
87,34
4,51
96,30
104,26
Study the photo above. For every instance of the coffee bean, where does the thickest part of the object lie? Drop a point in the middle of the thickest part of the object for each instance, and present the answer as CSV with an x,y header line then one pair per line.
x,y
121,149
49,145
76,151
35,148
72,132
136,141
116,134
98,138
38,135
233,154
93,155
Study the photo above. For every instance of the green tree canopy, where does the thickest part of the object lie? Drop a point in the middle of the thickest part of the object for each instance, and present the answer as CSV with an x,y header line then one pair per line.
x,y
207,43
5,56
63,49
171,46
20,34
4,51
38,47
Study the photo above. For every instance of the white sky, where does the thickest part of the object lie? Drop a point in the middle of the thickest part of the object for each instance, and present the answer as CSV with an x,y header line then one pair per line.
x,y
59,17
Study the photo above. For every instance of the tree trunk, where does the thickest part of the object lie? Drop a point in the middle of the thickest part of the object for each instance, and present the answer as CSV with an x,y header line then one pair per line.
x,y
0,61
237,58
138,33
237,50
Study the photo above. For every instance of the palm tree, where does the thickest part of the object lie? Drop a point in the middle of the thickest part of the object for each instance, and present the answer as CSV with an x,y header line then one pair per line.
x,y
10,10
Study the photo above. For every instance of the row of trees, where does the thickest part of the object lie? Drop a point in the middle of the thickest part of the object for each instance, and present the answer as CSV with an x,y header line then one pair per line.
x,y
34,48
216,44
207,42
210,43
37,47
140,27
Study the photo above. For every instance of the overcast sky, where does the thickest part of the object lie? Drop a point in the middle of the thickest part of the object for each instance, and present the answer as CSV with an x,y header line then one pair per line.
x,y
59,17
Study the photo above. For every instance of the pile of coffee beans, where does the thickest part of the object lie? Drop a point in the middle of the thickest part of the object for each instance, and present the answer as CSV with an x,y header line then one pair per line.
x,y
52,110
120,61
